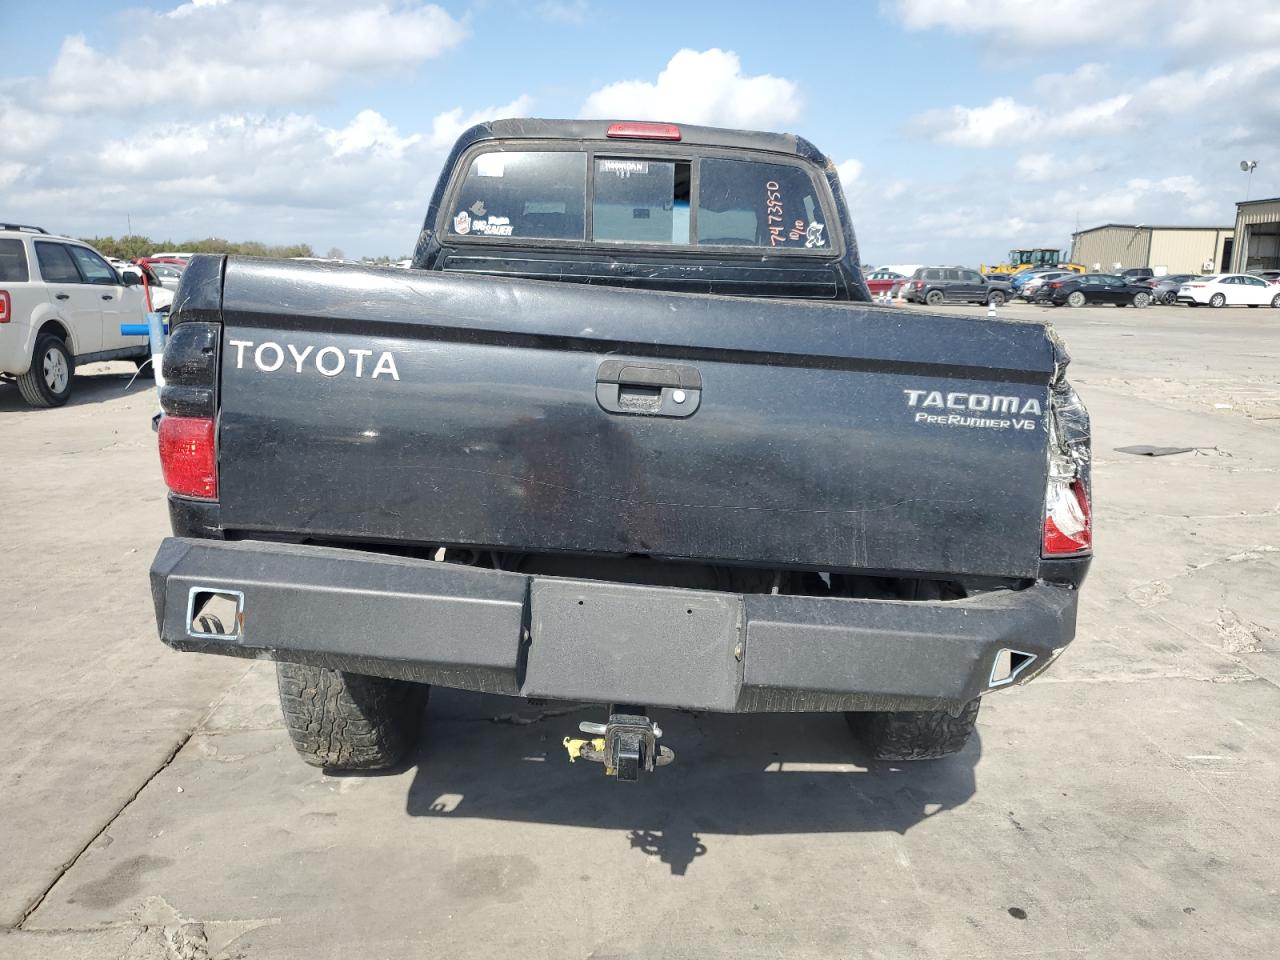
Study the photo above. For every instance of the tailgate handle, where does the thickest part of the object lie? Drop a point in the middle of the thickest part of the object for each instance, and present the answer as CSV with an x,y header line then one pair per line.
x,y
648,389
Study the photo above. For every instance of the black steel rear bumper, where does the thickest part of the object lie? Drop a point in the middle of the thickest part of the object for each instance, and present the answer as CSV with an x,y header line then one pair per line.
x,y
587,640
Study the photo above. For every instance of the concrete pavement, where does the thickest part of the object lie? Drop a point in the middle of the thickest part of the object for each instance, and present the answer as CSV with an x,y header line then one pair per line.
x,y
1125,805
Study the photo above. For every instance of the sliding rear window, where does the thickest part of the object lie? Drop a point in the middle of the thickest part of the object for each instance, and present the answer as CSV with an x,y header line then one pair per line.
x,y
543,195
641,201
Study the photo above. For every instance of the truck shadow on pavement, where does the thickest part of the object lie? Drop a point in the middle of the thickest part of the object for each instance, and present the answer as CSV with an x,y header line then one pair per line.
x,y
94,387
495,758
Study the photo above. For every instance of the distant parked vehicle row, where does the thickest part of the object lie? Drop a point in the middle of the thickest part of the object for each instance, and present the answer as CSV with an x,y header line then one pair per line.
x,y
1060,286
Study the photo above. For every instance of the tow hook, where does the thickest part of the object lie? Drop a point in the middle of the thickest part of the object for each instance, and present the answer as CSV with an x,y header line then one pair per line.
x,y
627,745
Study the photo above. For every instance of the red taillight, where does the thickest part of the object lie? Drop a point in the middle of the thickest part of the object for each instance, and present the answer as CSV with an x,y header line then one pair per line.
x,y
634,130
6,306
187,456
1055,284
1068,521
919,284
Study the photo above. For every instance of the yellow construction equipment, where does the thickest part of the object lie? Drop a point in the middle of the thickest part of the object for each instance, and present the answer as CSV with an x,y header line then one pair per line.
x,y
1036,258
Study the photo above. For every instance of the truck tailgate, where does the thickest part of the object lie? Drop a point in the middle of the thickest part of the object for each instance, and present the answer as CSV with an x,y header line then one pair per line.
x,y
540,416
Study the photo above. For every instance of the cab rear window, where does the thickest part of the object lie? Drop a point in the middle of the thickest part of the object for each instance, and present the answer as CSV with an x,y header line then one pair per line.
x,y
13,262
536,194
544,195
754,204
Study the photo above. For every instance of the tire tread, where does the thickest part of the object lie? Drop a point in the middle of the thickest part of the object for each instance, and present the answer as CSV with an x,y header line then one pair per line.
x,y
348,721
914,734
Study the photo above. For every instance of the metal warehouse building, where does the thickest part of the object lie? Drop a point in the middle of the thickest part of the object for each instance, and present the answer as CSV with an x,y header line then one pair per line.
x,y
1258,227
1167,250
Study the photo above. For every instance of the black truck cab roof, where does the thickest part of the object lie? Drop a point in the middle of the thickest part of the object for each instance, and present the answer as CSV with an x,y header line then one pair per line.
x,y
643,205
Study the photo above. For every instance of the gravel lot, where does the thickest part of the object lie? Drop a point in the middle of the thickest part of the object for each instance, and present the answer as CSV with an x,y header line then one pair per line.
x,y
1125,805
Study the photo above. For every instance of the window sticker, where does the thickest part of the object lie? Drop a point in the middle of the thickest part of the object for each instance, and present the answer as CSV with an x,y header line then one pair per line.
x,y
623,168
490,165
477,208
462,223
492,226
813,235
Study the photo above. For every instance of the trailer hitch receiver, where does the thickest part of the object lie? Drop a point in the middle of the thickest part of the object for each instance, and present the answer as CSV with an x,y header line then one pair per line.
x,y
627,745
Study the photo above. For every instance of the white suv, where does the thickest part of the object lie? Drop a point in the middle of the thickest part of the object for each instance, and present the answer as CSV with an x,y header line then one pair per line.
x,y
61,304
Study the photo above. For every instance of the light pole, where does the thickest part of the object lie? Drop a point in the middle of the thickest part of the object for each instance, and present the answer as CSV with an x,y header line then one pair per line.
x,y
1248,167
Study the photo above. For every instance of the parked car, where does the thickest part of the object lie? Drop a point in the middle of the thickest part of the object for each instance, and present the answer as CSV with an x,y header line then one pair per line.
x,y
1229,290
1133,273
543,498
159,298
1165,289
1017,280
168,270
936,285
1077,290
61,304
880,282
1271,276
1032,286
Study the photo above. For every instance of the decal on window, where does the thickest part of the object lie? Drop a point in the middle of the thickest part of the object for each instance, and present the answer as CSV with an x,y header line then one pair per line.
x,y
623,168
490,165
492,226
462,223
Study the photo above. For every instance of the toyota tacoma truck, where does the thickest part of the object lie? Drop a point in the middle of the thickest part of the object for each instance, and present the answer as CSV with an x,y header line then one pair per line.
x,y
630,434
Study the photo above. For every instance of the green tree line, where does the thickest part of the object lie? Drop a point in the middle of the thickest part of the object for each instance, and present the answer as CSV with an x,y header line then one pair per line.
x,y
129,247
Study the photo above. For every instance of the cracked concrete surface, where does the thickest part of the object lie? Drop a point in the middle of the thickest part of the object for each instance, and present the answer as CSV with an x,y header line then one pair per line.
x,y
1124,805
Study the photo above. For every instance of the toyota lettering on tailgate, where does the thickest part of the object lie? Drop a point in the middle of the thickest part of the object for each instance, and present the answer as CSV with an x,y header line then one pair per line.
x,y
269,357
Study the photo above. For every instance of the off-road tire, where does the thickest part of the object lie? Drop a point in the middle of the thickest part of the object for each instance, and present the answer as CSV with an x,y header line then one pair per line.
x,y
1076,299
914,734
1218,300
348,721
34,386
934,298
996,299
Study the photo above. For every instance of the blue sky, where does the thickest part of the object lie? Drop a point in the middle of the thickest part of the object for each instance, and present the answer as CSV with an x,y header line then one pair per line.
x,y
962,127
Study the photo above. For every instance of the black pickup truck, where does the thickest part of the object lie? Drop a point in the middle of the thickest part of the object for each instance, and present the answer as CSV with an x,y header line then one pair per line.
x,y
630,433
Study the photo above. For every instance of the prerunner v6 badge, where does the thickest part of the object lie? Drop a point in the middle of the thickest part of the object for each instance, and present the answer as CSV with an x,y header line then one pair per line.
x,y
974,410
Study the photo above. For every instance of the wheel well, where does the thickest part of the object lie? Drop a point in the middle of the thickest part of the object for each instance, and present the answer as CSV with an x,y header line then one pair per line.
x,y
57,329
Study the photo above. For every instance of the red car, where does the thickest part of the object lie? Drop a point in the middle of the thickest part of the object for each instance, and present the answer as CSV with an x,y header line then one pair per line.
x,y
880,282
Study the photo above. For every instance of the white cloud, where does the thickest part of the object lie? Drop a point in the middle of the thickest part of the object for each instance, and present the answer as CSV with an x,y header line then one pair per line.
x,y
370,132
1192,31
705,87
564,11
1038,23
1043,167
26,133
1005,120
233,54
361,185
849,172
448,126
